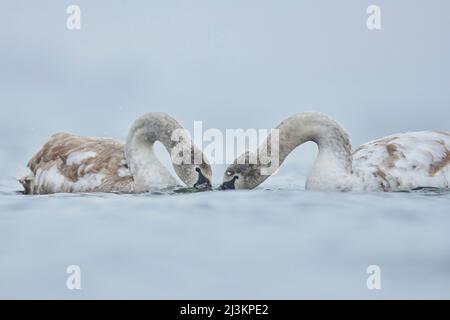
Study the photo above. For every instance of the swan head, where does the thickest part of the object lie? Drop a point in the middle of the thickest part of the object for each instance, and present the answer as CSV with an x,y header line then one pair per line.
x,y
203,181
241,176
198,176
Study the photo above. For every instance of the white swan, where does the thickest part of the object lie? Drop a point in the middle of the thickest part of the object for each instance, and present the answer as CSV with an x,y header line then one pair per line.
x,y
394,163
69,163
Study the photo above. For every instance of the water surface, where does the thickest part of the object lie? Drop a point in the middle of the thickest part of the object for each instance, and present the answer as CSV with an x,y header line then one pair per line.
x,y
278,241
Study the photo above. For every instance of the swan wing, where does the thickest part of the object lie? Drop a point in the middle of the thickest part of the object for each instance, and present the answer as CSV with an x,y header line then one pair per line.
x,y
405,161
69,163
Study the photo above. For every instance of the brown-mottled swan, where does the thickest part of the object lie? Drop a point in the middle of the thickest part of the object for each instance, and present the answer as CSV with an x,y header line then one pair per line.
x,y
395,163
69,163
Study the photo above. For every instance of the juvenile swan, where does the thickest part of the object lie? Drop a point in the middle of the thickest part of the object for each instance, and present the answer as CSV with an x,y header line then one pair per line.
x,y
69,163
394,163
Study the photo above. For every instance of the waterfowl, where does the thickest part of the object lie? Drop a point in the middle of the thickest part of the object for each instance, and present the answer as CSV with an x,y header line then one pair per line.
x,y
398,162
69,163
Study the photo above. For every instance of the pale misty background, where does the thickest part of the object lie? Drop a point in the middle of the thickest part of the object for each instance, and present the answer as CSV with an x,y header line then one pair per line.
x,y
231,64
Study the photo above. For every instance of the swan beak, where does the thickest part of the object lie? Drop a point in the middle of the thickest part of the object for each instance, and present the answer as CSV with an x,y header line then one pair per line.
x,y
203,183
229,185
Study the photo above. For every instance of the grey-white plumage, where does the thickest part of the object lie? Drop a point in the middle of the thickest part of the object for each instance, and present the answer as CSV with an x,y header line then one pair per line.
x,y
397,162
70,163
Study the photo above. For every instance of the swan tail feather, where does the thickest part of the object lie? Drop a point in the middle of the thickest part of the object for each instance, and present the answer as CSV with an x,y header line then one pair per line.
x,y
27,183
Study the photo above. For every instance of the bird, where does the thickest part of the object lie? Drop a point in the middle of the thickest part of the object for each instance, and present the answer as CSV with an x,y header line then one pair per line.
x,y
69,163
398,162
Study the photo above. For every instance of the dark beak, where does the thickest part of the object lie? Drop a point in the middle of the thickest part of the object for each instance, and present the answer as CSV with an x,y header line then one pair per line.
x,y
203,182
229,185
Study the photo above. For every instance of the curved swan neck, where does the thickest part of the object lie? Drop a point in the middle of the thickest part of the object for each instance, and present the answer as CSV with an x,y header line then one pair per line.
x,y
146,169
331,138
334,160
150,128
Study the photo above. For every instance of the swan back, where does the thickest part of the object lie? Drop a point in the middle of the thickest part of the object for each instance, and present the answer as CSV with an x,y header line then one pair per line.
x,y
69,163
404,161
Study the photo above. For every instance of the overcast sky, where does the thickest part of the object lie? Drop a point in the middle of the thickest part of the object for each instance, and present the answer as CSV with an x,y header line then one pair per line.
x,y
233,63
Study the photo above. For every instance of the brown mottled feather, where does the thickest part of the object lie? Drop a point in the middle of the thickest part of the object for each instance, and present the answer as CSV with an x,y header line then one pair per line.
x,y
109,159
441,164
405,161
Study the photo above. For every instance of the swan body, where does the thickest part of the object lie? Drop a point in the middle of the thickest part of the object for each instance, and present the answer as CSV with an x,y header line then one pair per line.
x,y
394,163
403,162
69,163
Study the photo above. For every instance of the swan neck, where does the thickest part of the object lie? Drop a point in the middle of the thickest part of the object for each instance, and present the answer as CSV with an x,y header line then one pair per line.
x,y
145,167
334,160
330,137
151,128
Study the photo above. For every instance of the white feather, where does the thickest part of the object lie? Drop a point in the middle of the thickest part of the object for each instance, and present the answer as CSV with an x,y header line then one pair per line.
x,y
78,157
403,162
